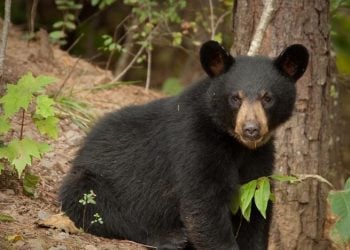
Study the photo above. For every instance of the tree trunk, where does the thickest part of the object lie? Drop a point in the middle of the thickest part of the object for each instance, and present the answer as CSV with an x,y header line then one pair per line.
x,y
306,143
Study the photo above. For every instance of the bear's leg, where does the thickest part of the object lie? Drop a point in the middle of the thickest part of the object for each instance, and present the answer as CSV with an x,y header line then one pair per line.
x,y
253,235
75,186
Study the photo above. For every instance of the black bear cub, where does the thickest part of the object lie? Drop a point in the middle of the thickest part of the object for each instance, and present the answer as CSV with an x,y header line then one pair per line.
x,y
164,173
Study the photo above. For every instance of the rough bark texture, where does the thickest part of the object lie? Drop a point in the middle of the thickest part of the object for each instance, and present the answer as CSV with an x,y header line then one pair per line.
x,y
305,144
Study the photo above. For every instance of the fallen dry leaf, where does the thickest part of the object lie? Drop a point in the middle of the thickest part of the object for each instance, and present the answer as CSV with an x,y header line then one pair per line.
x,y
59,221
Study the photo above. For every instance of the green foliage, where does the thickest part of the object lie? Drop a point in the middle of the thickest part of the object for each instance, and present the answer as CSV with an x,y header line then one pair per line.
x,y
150,19
20,95
262,195
88,198
20,153
102,3
79,112
340,205
109,45
340,35
58,35
172,86
246,194
260,191
27,96
97,219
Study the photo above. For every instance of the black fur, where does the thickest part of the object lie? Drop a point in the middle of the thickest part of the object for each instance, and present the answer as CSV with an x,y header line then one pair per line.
x,y
164,173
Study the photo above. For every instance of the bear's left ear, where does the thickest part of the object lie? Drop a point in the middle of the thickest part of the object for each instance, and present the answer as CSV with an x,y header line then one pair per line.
x,y
215,59
292,62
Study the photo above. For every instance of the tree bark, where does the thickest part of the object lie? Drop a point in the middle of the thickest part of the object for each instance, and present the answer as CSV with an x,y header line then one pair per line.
x,y
306,143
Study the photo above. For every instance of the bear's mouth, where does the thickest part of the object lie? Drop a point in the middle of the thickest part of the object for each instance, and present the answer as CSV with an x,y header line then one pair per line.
x,y
250,142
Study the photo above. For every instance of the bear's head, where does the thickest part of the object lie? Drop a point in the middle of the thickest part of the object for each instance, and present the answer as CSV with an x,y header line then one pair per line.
x,y
249,97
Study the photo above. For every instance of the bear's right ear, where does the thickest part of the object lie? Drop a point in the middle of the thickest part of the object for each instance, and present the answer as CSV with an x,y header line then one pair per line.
x,y
215,59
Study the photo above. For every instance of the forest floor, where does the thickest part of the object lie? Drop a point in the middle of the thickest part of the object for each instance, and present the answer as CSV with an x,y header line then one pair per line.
x,y
78,81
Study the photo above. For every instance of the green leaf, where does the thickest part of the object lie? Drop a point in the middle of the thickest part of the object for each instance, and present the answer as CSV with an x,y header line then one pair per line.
x,y
246,213
14,99
235,202
340,206
4,125
8,152
22,159
262,195
70,17
6,218
58,24
20,95
70,25
48,126
42,81
94,2
112,47
30,183
25,150
246,193
44,106
282,178
58,34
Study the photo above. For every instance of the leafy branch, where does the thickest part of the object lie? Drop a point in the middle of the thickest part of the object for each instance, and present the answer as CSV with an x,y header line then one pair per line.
x,y
27,97
260,191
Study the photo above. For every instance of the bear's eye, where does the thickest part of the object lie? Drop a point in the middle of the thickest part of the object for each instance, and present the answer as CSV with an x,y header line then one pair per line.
x,y
236,100
267,100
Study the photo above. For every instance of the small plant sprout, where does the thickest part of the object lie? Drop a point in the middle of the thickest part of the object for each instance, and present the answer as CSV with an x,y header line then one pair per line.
x,y
97,219
88,198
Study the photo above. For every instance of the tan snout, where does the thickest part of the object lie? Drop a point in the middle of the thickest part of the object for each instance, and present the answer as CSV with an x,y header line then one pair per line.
x,y
251,124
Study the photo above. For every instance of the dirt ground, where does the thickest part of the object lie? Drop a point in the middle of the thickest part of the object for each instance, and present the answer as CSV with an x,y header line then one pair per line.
x,y
79,81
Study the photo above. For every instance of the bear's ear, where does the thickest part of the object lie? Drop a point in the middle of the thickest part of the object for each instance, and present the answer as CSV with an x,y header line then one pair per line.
x,y
215,59
292,62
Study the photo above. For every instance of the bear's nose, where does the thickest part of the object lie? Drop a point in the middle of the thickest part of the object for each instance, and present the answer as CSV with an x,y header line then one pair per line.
x,y
251,130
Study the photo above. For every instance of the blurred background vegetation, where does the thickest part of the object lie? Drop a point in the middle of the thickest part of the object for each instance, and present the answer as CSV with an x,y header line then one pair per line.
x,y
110,33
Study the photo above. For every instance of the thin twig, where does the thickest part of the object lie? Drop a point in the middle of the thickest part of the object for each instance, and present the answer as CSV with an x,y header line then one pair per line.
x,y
32,16
302,177
265,18
121,74
114,38
149,65
5,27
220,20
22,124
212,26
67,77
75,42
138,54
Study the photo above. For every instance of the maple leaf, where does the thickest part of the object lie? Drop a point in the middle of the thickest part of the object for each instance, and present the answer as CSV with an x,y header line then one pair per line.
x,y
4,125
15,98
20,95
48,126
44,106
24,150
